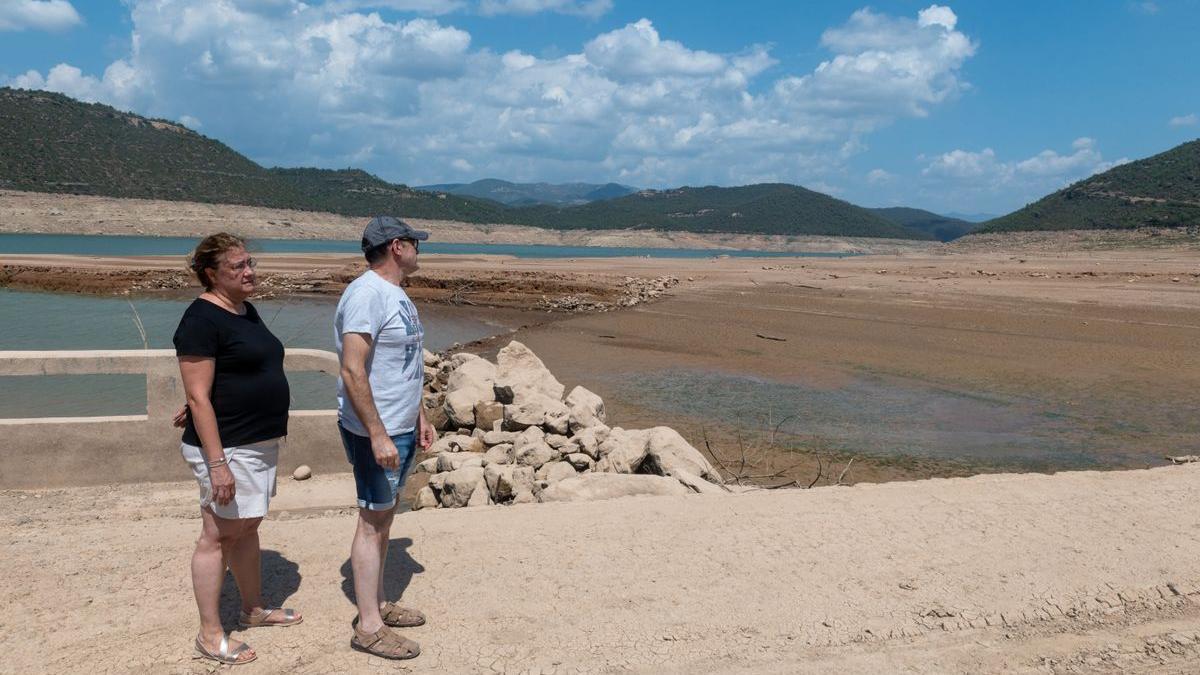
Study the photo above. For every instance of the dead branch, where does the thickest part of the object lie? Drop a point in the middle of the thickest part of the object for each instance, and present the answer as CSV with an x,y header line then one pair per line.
x,y
770,337
843,473
820,470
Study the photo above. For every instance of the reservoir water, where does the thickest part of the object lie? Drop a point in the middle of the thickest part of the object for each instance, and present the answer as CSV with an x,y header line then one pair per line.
x,y
119,245
49,321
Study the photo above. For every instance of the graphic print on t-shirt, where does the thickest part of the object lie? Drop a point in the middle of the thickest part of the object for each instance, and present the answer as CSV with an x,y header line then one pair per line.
x,y
412,329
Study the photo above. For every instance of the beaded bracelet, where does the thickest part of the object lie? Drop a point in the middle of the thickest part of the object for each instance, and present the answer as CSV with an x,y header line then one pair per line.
x,y
215,463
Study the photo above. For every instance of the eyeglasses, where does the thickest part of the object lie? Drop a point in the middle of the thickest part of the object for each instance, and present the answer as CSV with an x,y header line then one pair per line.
x,y
242,265
415,244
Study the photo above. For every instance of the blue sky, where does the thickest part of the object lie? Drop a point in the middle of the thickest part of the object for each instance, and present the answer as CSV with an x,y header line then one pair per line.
x,y
974,106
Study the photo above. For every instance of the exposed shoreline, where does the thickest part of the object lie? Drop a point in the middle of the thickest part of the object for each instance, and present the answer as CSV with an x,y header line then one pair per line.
x,y
36,212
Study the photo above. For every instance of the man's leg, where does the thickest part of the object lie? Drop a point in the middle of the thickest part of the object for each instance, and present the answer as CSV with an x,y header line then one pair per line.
x,y
367,553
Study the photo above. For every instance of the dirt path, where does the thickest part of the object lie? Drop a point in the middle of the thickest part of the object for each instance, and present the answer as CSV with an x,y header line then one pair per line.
x,y
1078,572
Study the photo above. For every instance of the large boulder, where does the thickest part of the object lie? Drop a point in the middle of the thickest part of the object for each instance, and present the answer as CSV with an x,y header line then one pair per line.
x,y
459,485
698,484
452,461
552,472
425,499
506,481
427,466
588,440
519,368
537,410
581,461
587,409
667,454
499,454
470,382
456,443
594,486
623,451
499,437
487,413
480,496
535,454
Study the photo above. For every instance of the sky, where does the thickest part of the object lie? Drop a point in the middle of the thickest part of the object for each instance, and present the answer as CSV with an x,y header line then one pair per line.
x,y
974,106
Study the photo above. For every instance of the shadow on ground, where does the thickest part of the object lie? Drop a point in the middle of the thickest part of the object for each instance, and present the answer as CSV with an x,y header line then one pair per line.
x,y
280,579
397,573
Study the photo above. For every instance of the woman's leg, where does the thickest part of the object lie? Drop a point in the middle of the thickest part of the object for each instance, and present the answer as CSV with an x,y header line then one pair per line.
x,y
245,561
208,572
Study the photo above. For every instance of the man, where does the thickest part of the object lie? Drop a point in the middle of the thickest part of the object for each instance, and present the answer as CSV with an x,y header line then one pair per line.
x,y
379,343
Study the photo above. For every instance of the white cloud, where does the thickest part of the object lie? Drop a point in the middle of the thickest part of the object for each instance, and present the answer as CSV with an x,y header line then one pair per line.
x,y
588,8
50,15
1189,120
973,175
879,177
637,51
415,100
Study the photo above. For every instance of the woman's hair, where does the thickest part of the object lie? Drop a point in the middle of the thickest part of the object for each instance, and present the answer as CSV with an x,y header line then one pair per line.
x,y
208,253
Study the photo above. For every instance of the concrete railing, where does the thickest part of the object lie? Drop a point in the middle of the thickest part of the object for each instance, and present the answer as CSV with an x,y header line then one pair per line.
x,y
64,451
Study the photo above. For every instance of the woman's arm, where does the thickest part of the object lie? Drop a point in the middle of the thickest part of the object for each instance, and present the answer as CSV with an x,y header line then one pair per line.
x,y
197,373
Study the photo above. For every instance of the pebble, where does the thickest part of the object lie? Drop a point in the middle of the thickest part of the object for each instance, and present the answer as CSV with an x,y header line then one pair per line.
x,y
302,472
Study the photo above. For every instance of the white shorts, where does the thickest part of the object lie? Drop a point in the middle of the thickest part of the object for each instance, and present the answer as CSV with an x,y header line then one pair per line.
x,y
253,467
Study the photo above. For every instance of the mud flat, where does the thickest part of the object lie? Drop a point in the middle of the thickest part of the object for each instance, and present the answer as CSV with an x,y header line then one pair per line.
x,y
955,362
1072,573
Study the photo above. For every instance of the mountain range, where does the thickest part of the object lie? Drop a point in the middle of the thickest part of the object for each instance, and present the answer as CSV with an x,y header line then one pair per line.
x,y
529,194
53,143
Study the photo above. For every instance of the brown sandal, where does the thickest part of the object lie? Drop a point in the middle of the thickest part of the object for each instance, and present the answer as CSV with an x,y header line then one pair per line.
x,y
384,643
260,618
401,617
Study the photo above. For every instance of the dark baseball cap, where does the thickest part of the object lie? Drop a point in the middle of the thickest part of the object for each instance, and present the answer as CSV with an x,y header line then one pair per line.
x,y
383,229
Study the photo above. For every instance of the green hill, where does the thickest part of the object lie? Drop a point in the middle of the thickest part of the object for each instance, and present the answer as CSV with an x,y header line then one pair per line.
x,y
524,194
52,143
766,208
1163,191
942,228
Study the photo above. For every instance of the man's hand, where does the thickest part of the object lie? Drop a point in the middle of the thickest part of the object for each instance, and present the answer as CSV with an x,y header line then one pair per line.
x,y
426,434
222,484
385,453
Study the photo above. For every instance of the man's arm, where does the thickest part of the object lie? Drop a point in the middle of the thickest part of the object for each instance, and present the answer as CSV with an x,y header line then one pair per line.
x,y
356,347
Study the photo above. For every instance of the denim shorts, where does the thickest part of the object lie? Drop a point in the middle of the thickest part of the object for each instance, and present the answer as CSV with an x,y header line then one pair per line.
x,y
377,486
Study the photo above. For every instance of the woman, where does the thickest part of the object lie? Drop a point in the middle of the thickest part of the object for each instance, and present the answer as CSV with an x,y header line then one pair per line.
x,y
237,412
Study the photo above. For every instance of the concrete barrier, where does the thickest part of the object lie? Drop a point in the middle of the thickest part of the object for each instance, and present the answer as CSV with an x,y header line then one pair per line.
x,y
69,451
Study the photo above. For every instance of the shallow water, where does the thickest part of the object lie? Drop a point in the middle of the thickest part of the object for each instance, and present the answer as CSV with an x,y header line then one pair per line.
x,y
113,245
889,416
49,321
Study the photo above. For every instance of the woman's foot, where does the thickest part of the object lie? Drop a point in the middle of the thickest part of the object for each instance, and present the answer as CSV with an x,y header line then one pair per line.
x,y
275,616
221,649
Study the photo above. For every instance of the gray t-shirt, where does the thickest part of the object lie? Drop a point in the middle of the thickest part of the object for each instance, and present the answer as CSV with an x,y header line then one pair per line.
x,y
395,368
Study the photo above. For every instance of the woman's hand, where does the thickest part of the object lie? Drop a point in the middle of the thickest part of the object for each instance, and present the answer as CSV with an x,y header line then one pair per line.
x,y
222,484
180,418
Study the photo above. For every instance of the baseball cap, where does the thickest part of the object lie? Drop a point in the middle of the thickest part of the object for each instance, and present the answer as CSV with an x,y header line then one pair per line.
x,y
383,229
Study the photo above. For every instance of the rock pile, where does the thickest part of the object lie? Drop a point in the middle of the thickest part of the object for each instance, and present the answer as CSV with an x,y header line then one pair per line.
x,y
633,291
508,435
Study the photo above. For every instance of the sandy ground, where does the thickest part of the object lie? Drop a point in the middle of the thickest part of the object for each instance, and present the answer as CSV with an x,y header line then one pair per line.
x,y
1078,572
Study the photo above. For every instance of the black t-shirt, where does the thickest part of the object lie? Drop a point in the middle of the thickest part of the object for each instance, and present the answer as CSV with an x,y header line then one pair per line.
x,y
250,392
